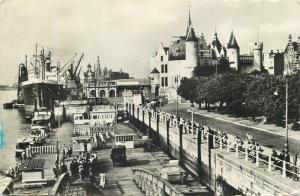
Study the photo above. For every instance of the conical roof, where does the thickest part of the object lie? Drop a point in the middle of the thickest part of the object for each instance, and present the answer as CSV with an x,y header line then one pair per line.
x,y
191,35
232,42
155,71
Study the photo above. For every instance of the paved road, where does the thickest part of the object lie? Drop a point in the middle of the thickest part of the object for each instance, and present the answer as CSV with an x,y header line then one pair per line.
x,y
264,138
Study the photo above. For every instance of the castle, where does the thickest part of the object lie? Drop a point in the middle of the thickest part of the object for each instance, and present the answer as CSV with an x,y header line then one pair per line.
x,y
170,64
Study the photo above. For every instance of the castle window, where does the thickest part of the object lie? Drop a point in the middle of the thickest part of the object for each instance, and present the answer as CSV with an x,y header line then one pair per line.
x,y
162,69
161,58
166,81
166,68
162,81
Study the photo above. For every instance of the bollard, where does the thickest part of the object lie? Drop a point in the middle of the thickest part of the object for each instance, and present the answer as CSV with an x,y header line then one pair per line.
x,y
284,169
237,150
257,158
214,141
221,144
270,163
202,133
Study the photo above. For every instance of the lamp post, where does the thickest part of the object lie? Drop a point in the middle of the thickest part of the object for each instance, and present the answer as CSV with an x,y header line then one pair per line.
x,y
286,145
177,76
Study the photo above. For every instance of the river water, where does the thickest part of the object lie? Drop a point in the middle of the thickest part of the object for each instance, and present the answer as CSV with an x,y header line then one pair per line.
x,y
13,126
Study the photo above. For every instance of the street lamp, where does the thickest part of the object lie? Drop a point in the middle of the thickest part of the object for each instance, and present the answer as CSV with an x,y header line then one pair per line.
x,y
177,76
286,145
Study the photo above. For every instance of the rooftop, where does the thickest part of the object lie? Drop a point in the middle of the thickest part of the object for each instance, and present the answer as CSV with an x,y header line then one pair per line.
x,y
32,164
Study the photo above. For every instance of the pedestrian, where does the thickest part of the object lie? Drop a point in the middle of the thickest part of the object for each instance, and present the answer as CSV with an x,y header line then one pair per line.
x,y
281,159
23,156
287,163
274,158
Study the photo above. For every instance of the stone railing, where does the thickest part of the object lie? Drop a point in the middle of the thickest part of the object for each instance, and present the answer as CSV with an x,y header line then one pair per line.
x,y
205,152
152,184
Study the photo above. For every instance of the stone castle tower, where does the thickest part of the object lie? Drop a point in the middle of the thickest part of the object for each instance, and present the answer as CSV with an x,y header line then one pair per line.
x,y
190,48
257,55
233,52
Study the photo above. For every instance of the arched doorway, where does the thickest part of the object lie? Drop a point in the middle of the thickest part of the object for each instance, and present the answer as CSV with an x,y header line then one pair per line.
x,y
102,93
112,93
92,93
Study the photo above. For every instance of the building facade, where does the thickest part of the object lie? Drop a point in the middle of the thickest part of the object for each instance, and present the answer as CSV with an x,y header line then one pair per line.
x,y
245,63
169,64
292,56
103,83
274,62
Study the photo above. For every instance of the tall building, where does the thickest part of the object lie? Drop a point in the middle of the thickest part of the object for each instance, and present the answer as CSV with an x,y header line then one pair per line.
x,y
292,56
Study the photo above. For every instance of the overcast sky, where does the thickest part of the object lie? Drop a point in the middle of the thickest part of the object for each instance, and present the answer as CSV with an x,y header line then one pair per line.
x,y
124,33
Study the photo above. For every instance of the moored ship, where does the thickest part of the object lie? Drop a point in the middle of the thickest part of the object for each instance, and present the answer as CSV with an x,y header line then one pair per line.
x,y
42,87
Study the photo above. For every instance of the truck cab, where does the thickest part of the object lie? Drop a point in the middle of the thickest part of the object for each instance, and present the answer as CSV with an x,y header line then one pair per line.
x,y
118,154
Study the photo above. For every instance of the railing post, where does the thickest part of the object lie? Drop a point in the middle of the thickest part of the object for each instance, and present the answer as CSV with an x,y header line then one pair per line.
x,y
270,163
133,109
168,135
228,146
284,169
150,116
246,155
257,157
202,133
157,127
180,142
236,150
221,143
138,113
214,141
199,141
143,113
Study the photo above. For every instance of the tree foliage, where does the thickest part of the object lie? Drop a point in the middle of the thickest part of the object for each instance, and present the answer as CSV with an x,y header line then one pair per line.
x,y
245,94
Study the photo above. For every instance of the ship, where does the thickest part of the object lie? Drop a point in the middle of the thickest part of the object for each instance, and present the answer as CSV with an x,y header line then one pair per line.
x,y
42,88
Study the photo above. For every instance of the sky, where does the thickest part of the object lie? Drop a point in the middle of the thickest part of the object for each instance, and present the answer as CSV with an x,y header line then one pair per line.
x,y
124,33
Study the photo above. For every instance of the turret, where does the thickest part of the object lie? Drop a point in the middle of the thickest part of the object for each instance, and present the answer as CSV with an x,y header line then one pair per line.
x,y
190,49
233,52
257,56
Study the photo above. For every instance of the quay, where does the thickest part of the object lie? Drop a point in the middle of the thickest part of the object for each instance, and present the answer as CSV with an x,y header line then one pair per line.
x,y
132,178
214,161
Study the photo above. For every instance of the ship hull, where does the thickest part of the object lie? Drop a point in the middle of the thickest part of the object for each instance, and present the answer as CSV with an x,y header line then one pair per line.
x,y
41,94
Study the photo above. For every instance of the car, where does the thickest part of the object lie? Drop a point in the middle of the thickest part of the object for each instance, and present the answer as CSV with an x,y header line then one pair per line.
x,y
118,154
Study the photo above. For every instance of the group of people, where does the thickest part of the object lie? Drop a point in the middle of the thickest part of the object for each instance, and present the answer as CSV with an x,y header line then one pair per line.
x,y
14,172
84,165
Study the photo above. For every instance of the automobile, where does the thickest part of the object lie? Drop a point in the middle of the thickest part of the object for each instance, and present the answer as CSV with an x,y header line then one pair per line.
x,y
118,154
22,144
122,116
